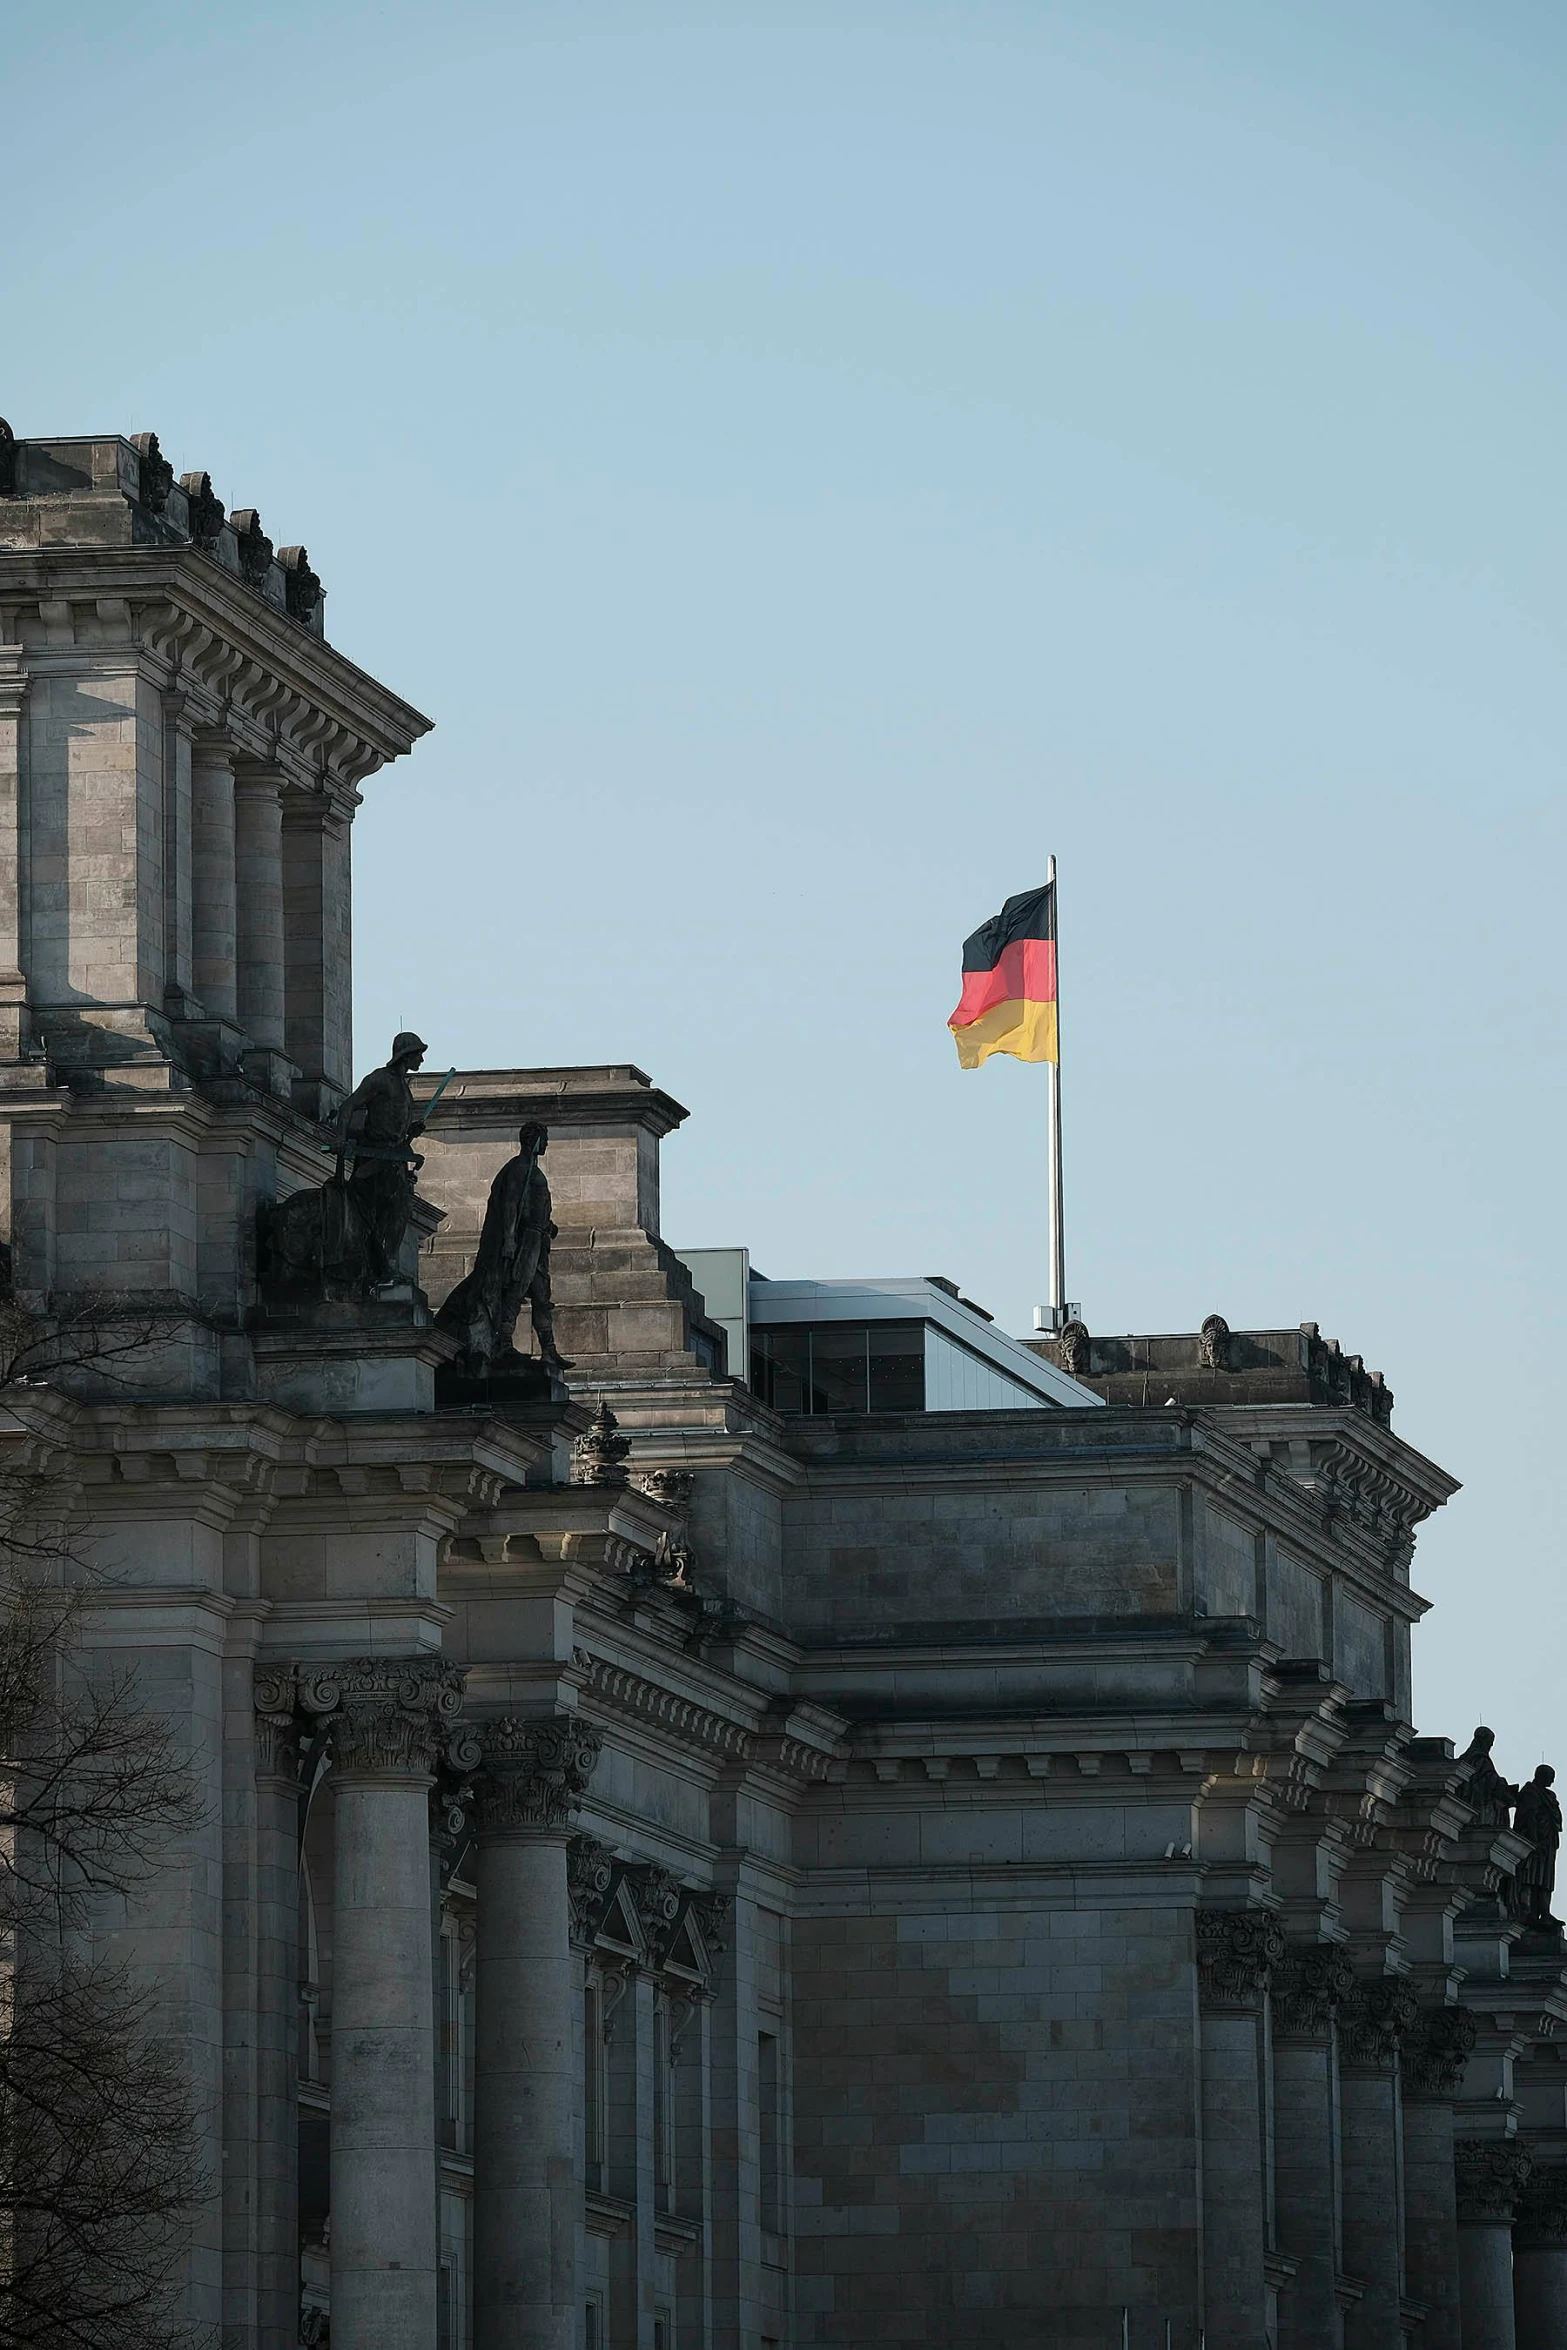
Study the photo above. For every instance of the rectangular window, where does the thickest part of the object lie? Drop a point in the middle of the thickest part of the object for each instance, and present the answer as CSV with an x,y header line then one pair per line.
x,y
780,1367
770,2214
593,2327
836,1367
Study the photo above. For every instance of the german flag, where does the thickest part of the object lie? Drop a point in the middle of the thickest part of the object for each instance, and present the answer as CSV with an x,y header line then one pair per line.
x,y
1009,983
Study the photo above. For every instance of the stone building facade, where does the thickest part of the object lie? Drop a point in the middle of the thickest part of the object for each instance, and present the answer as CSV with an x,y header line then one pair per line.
x,y
681,1875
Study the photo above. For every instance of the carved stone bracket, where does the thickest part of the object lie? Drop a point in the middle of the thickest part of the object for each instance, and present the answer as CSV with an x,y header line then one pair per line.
x,y
277,1722
1308,1984
1437,2052
670,1488
534,1773
1373,2022
657,1898
384,1715
1491,2174
1237,1951
1540,2224
590,1873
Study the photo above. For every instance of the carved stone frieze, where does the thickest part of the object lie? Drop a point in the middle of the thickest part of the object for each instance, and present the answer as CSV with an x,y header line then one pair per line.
x,y
1374,2021
534,1773
590,1873
385,1715
1308,1984
598,1457
1237,1951
1490,2175
1437,2052
1540,2218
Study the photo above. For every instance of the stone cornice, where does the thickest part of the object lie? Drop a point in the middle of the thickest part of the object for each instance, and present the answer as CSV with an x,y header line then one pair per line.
x,y
203,627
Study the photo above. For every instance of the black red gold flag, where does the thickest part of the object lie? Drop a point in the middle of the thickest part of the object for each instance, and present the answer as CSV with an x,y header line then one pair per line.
x,y
1009,983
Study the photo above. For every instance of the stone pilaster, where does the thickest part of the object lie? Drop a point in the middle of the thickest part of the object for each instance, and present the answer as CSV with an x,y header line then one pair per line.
x,y
13,860
1237,1951
532,1774
1434,2058
1372,2024
318,949
388,1721
1540,2260
1307,1987
214,915
258,870
1490,2175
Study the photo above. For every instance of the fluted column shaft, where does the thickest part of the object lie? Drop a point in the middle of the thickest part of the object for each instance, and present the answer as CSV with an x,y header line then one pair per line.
x,y
1433,2069
387,1718
1490,2175
525,2085
1540,2260
1236,1953
1306,1990
1373,2021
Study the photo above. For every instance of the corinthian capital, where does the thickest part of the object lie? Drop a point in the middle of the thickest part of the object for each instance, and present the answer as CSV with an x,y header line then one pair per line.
x,y
1308,1984
1491,2174
389,1715
1373,2022
1237,1951
1435,2058
1540,2223
534,1773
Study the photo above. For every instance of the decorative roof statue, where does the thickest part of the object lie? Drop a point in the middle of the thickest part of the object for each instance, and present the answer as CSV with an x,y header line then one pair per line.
x,y
598,1456
347,1236
1489,1795
1538,1819
512,1264
379,1123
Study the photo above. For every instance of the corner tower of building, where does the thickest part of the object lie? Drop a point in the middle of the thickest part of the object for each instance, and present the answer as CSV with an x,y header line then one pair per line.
x,y
181,755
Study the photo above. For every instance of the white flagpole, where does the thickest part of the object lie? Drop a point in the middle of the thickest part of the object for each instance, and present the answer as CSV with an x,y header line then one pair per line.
x,y
1053,1082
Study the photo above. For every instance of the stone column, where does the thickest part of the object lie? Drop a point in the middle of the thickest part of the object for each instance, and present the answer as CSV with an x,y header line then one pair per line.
x,y
1237,1950
1372,2022
388,1718
277,2008
213,911
1540,2260
258,867
533,1774
13,860
1433,2070
179,985
1307,1988
1490,2174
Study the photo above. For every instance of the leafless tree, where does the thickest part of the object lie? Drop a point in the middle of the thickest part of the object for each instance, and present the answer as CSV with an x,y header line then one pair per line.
x,y
98,2169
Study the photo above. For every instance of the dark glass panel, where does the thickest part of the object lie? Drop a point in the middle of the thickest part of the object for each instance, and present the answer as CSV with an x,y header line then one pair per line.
x,y
838,1367
779,1360
897,1366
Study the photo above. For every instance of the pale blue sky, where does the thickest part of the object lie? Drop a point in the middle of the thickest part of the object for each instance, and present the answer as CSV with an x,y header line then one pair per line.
x,y
812,462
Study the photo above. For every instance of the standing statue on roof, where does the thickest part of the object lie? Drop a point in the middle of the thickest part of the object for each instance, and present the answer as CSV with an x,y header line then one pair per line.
x,y
512,1264
1490,1796
376,1164
1538,1819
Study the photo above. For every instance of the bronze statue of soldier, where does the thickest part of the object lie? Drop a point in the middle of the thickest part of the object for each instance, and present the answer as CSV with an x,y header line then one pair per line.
x,y
512,1265
376,1165
1488,1793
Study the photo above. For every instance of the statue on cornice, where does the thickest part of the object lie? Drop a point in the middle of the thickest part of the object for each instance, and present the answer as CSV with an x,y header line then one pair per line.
x,y
1537,1818
1488,1794
346,1237
512,1265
